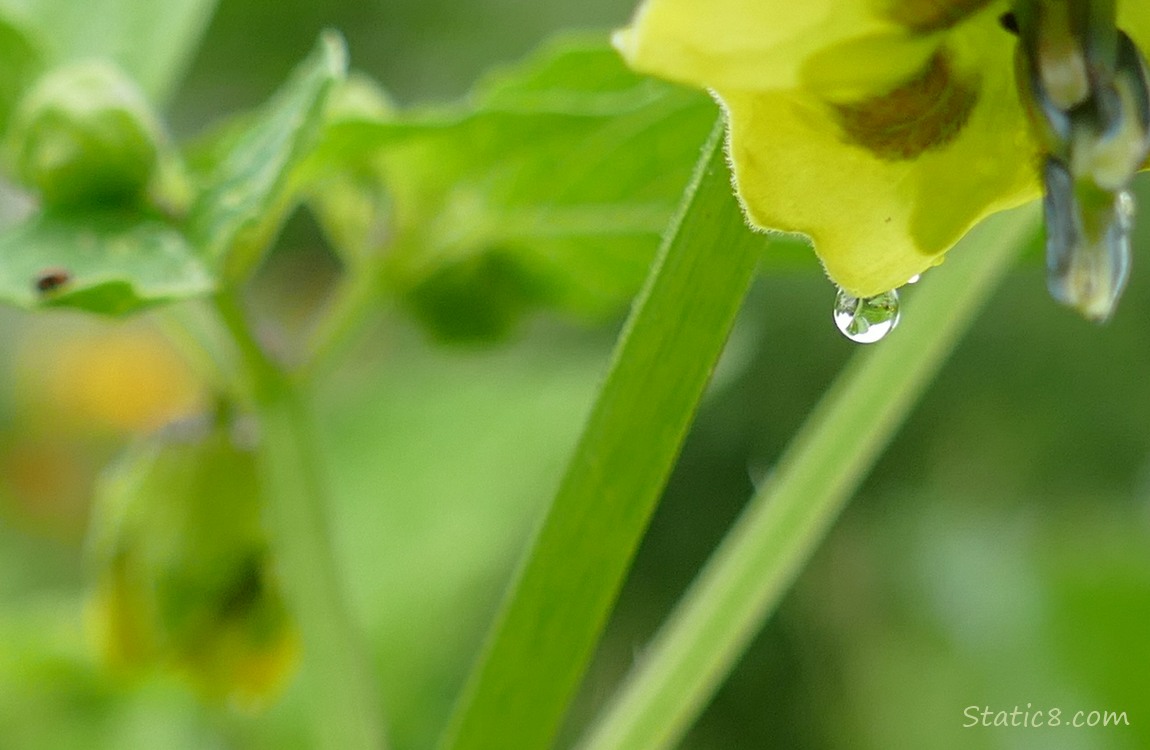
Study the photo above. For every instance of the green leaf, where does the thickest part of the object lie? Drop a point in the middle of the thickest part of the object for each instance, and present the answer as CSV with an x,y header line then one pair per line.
x,y
549,188
152,41
791,513
579,75
21,60
103,261
248,188
558,604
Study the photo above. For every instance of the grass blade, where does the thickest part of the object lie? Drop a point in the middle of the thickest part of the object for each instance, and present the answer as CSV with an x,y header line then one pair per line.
x,y
760,557
560,599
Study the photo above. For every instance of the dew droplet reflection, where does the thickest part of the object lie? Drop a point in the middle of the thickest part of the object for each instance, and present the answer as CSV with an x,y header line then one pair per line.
x,y
866,320
914,279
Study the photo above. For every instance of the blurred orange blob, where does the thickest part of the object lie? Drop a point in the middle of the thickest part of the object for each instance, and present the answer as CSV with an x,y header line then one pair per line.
x,y
123,378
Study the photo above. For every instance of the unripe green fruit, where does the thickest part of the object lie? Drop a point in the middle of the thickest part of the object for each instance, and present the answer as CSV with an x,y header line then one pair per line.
x,y
183,575
84,135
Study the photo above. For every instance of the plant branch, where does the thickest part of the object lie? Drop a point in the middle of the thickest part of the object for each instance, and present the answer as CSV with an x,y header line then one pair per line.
x,y
340,691
357,297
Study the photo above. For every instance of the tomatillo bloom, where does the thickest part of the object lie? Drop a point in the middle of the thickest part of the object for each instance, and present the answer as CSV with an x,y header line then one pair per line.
x,y
885,129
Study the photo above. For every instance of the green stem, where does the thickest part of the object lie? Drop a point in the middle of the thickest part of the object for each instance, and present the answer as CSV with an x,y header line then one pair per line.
x,y
356,299
777,533
194,329
560,599
340,691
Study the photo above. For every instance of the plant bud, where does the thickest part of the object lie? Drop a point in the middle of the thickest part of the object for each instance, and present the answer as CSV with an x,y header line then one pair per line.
x,y
183,574
84,135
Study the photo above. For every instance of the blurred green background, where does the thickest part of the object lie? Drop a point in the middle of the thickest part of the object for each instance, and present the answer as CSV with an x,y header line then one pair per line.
x,y
999,555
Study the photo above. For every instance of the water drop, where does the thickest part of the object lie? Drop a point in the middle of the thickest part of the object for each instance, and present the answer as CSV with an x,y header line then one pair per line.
x,y
866,320
914,279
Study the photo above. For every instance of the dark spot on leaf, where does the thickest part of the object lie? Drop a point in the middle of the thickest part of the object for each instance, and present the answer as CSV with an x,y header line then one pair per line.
x,y
51,279
926,112
1009,22
925,16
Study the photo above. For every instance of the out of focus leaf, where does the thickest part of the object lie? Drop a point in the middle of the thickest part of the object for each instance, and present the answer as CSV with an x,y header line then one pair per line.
x,y
153,41
21,59
549,187
116,261
247,189
50,696
102,261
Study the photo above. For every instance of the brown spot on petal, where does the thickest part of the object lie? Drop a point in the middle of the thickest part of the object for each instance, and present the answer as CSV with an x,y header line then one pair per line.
x,y
924,16
926,112
1009,21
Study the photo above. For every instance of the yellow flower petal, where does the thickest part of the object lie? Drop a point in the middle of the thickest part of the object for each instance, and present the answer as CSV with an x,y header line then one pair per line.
x,y
760,45
882,129
887,186
1134,19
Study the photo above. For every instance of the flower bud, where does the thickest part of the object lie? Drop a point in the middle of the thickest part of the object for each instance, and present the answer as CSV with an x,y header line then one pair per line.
x,y
84,135
183,574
